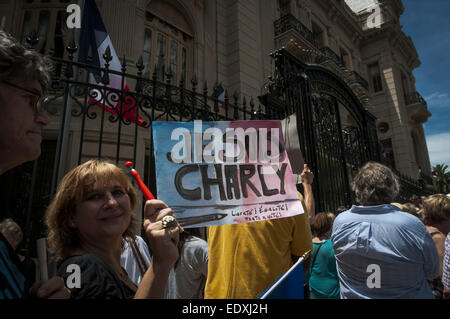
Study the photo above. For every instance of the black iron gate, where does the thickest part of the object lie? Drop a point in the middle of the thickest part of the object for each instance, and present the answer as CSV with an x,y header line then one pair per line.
x,y
337,135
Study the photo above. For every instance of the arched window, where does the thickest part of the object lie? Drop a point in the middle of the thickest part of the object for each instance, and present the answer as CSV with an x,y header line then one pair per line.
x,y
168,42
47,18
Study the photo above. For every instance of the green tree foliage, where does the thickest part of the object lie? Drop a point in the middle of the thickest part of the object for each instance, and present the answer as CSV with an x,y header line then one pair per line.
x,y
441,178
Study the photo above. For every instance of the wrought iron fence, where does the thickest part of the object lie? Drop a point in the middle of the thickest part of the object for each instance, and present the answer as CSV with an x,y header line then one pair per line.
x,y
98,121
150,100
289,22
409,187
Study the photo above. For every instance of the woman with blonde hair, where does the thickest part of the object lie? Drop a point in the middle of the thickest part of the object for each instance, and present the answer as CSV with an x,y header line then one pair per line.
x,y
91,213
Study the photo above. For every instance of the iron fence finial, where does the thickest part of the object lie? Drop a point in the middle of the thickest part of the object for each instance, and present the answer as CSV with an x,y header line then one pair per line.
x,y
107,55
32,39
194,80
124,64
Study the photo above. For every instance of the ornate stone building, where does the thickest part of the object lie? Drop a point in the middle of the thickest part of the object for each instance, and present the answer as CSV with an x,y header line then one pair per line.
x,y
229,42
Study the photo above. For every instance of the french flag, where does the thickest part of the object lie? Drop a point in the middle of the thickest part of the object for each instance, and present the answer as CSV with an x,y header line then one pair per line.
x,y
94,41
289,285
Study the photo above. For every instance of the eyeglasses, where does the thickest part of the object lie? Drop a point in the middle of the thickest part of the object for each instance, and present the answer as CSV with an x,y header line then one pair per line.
x,y
38,104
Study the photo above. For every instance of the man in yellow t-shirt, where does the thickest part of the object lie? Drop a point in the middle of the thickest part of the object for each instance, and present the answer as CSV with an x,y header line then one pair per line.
x,y
245,259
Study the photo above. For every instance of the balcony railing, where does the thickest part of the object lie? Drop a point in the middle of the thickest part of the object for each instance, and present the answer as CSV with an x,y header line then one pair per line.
x,y
289,22
417,107
414,98
329,54
355,77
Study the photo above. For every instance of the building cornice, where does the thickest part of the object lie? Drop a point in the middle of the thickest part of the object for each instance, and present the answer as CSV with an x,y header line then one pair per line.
x,y
339,13
404,44
398,40
397,5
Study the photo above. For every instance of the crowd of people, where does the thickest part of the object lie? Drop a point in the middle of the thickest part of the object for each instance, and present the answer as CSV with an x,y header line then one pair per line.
x,y
375,249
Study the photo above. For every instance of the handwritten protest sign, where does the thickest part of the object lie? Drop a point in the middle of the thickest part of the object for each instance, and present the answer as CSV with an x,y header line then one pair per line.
x,y
216,173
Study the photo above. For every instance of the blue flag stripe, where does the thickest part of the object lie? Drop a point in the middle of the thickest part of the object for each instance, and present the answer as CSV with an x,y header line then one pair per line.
x,y
288,286
93,34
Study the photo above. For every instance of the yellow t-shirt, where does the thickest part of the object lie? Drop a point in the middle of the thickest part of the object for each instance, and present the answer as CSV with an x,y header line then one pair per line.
x,y
245,259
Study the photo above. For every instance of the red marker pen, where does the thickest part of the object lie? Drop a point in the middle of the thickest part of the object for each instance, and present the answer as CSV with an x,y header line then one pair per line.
x,y
147,194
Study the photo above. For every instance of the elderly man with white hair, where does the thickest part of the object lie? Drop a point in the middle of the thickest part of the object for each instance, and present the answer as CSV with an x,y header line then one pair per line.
x,y
24,79
382,252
